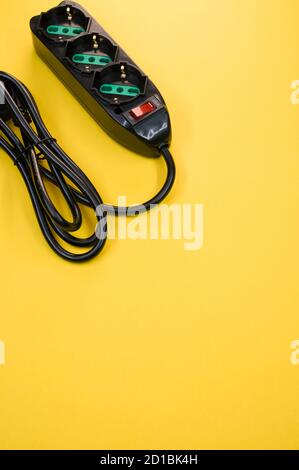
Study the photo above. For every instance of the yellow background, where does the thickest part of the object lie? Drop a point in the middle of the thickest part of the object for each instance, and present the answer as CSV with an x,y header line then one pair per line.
x,y
150,346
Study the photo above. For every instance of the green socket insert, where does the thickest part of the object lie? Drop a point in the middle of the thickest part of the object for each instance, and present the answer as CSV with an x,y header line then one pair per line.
x,y
91,59
124,90
64,30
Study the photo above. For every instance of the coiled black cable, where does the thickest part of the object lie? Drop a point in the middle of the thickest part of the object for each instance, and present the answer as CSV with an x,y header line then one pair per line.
x,y
35,145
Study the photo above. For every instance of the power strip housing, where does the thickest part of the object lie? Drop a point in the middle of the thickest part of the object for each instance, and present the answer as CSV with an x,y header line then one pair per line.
x,y
113,89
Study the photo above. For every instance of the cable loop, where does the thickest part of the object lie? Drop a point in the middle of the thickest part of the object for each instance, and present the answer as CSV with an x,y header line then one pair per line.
x,y
32,146
61,171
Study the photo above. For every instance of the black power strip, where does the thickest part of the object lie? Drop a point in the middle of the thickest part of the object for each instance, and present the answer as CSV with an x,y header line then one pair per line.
x,y
115,91
122,99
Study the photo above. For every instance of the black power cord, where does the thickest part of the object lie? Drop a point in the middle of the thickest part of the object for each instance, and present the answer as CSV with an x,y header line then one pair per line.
x,y
37,156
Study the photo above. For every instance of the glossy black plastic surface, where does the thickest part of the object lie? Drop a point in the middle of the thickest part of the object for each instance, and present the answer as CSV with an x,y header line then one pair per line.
x,y
145,135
